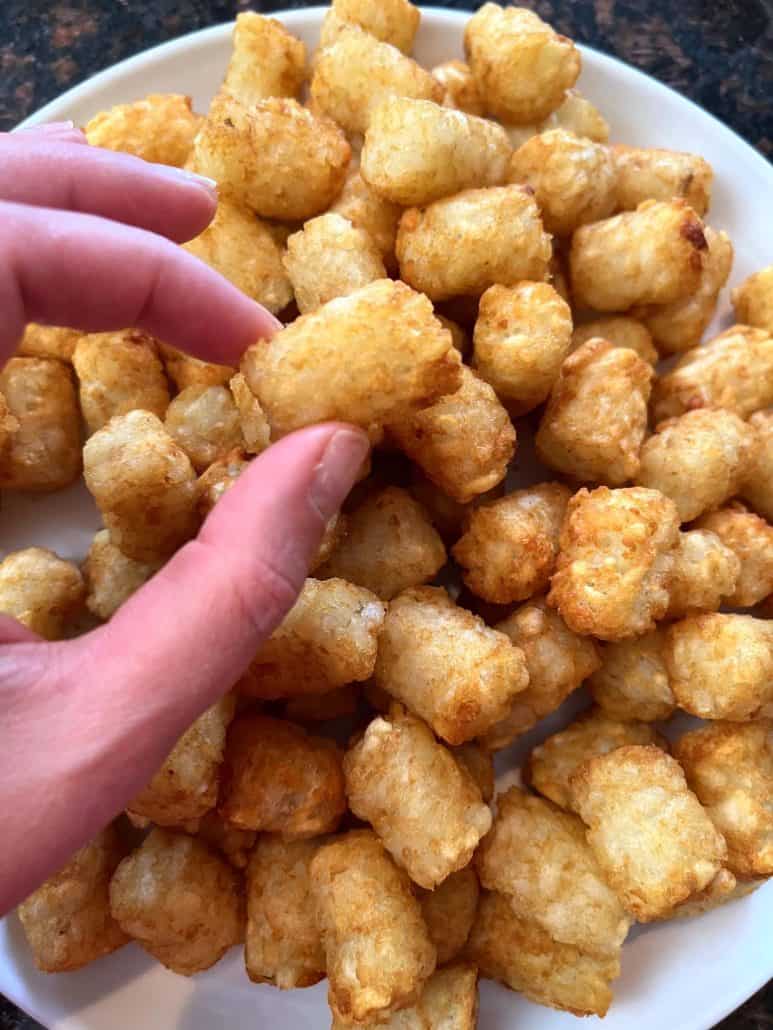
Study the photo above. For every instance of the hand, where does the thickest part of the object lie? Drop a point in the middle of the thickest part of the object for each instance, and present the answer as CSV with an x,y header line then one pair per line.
x,y
85,242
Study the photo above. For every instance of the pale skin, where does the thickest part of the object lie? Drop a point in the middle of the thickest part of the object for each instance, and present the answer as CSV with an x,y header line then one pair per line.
x,y
87,240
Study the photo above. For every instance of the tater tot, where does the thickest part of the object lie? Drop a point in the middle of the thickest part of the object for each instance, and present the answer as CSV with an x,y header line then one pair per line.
x,y
41,422
390,544
721,666
179,901
538,856
733,370
653,255
357,71
448,1000
111,578
723,889
730,768
67,920
466,243
509,547
185,370
283,945
160,128
118,372
750,538
243,249
615,561
232,843
596,416
620,331
577,114
328,639
391,21
653,840
365,209
520,954
334,704
48,341
144,486
753,300
479,763
551,765
266,61
330,258
757,487
459,88
522,335
217,479
446,665
273,156
255,430
446,514
377,947
573,179
646,173
364,358
521,66
449,912
679,326
426,809
633,681
186,785
699,460
276,778
463,442
417,151
705,572
41,590
204,422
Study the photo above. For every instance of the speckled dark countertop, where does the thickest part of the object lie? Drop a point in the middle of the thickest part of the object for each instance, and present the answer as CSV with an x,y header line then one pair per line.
x,y
718,53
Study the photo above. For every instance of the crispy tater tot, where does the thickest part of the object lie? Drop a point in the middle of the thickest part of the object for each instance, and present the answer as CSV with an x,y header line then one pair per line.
x,y
446,665
232,843
185,370
551,765
653,840
160,128
479,764
633,681
186,785
721,666
699,460
204,421
48,341
538,856
653,255
377,947
417,151
426,809
528,960
596,417
364,358
180,901
330,258
573,179
750,538
365,209
243,249
620,331
111,578
615,561
144,486
757,487
577,114
334,704
522,335
730,768
509,547
753,300
466,243
67,920
266,61
283,945
357,71
41,590
449,912
118,372
725,887
391,21
733,370
679,326
705,572
255,430
463,442
459,88
646,173
273,156
217,479
389,545
41,423
521,66
278,779
328,639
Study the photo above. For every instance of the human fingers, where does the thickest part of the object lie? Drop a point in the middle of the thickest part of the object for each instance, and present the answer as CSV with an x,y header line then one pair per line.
x,y
53,130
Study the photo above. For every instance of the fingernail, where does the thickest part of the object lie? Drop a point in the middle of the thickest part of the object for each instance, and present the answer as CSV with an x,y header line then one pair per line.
x,y
337,470
50,127
185,175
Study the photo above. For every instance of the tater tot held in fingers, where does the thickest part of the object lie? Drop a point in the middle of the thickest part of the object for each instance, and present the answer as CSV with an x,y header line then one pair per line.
x,y
111,578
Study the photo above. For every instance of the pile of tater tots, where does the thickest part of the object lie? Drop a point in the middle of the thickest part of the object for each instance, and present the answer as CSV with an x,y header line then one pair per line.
x,y
459,258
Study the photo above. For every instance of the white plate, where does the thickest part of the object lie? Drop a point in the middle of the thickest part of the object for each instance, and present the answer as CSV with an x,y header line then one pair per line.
x,y
681,976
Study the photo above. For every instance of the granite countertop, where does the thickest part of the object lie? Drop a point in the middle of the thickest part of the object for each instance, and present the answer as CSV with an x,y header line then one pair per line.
x,y
720,55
